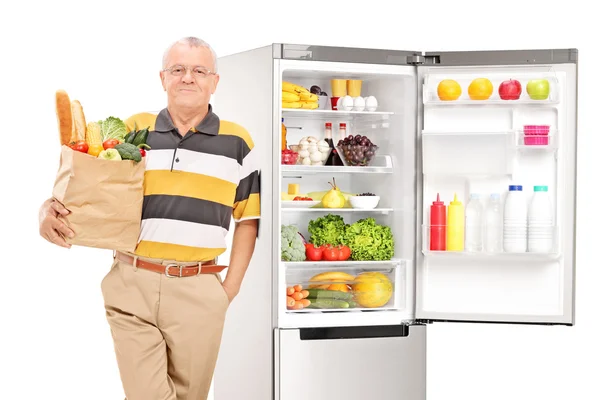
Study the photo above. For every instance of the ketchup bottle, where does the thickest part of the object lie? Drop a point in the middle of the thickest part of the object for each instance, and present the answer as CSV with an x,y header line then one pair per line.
x,y
437,225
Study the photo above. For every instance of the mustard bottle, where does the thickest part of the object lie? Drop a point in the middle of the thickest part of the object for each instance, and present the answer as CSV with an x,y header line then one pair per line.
x,y
283,136
455,234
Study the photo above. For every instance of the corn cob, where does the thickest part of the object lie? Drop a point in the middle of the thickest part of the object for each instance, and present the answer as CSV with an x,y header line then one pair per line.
x,y
93,134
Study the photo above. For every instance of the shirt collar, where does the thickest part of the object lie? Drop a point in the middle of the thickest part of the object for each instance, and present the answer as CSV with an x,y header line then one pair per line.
x,y
209,125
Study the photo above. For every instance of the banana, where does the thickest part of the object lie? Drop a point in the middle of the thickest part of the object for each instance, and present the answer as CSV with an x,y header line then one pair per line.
x,y
289,97
332,276
309,105
292,104
308,96
292,88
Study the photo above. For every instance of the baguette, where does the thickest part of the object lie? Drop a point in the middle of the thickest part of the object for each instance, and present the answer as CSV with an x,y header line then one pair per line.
x,y
79,125
64,117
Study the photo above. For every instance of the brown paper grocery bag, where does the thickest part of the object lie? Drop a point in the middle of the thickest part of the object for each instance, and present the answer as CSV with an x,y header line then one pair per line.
x,y
104,198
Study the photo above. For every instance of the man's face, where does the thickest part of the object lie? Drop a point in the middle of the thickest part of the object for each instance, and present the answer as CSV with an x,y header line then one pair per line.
x,y
188,90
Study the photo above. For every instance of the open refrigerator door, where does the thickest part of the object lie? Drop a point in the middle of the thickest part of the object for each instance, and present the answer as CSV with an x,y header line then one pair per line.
x,y
347,205
498,146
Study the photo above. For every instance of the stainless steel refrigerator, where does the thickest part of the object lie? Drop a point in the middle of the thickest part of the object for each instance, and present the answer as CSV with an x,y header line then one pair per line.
x,y
445,123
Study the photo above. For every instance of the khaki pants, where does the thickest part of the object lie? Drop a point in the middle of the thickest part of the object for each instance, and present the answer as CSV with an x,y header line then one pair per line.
x,y
166,331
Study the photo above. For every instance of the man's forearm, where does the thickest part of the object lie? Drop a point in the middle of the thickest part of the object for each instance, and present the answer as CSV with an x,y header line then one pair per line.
x,y
242,247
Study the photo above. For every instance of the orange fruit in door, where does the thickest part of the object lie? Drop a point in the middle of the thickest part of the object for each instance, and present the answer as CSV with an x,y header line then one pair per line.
x,y
449,89
480,89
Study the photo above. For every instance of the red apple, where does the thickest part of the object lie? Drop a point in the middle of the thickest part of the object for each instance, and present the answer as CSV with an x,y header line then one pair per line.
x,y
510,90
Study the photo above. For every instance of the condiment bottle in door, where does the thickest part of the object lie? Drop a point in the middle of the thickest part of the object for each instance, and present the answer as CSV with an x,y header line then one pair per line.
x,y
437,225
455,233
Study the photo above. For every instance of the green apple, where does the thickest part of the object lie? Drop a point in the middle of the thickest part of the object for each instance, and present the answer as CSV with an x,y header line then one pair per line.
x,y
110,154
538,89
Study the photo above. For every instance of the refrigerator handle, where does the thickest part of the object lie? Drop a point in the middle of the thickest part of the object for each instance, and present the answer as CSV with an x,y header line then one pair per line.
x,y
353,332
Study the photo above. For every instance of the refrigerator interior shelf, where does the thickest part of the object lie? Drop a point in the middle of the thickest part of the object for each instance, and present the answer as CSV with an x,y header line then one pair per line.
x,y
339,210
382,164
319,113
340,265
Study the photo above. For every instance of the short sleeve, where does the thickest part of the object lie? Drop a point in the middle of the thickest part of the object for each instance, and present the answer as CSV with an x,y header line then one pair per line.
x,y
247,196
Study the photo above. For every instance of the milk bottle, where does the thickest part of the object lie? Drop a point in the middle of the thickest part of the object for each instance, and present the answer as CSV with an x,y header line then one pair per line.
x,y
493,224
515,220
474,224
540,232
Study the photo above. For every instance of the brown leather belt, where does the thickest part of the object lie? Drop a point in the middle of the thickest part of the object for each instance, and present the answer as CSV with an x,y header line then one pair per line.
x,y
173,270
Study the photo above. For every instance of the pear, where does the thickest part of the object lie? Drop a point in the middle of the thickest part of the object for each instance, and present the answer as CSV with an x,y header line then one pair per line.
x,y
334,197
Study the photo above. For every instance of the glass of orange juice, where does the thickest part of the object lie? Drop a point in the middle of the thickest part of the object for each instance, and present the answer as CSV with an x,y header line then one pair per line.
x,y
338,87
354,86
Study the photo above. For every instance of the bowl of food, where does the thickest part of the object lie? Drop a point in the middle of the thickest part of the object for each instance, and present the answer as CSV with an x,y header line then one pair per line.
x,y
289,157
365,201
357,151
312,151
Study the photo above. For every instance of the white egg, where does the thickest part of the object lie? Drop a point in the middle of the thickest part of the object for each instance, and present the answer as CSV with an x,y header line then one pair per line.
x,y
371,103
303,144
306,161
322,142
345,103
359,104
324,155
313,148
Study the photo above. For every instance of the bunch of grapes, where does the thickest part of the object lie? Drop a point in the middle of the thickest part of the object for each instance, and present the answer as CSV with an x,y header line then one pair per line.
x,y
357,150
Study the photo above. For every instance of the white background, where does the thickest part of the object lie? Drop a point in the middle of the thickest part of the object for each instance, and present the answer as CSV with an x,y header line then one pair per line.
x,y
55,340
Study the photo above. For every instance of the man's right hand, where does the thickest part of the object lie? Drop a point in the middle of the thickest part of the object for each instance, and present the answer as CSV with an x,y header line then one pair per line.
x,y
51,228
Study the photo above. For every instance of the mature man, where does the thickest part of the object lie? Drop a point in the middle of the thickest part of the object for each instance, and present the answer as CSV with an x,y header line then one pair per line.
x,y
165,303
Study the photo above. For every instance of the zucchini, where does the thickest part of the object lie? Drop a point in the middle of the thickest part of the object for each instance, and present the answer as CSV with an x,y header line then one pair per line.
x,y
328,294
141,137
328,303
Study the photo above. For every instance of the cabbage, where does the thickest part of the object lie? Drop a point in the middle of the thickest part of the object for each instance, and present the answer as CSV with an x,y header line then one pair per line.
x,y
113,128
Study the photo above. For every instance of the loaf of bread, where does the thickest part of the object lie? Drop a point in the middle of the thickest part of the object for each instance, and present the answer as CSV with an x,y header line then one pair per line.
x,y
64,116
79,125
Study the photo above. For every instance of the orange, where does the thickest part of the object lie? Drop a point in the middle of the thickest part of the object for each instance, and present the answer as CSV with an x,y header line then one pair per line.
x,y
480,89
449,89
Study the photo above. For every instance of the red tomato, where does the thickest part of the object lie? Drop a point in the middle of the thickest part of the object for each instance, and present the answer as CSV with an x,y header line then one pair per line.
x,y
344,252
331,253
81,146
110,143
143,152
313,253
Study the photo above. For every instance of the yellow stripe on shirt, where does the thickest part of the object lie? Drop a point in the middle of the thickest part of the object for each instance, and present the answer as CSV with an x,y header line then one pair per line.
x,y
188,184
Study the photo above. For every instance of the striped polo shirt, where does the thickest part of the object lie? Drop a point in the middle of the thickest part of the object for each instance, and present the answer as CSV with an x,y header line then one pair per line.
x,y
194,185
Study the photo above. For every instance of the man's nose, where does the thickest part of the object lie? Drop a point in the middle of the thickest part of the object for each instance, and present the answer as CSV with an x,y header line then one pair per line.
x,y
188,76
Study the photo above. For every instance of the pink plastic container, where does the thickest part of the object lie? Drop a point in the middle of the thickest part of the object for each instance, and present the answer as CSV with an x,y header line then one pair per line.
x,y
536,129
536,140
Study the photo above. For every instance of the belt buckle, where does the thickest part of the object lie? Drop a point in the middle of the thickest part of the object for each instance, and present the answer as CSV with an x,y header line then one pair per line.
x,y
173,276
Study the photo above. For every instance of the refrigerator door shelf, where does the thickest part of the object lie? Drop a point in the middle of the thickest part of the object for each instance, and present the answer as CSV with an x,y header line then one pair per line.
x,y
542,81
549,235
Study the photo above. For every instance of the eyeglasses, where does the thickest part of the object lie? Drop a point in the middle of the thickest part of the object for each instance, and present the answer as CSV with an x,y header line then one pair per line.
x,y
180,70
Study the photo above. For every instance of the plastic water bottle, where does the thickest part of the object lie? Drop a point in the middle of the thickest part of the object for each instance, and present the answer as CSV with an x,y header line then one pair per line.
x,y
474,224
493,224
515,220
540,226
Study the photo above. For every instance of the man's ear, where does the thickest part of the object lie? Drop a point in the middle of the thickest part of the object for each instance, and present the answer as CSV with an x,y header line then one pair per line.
x,y
216,82
162,80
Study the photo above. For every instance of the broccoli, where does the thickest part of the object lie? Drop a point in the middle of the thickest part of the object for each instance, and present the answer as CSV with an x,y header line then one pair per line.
x,y
292,244
129,152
